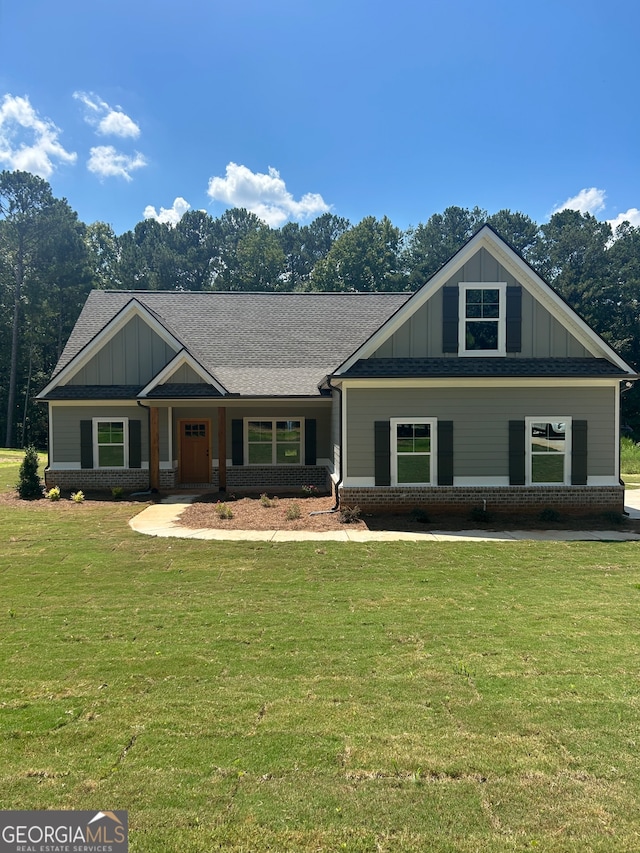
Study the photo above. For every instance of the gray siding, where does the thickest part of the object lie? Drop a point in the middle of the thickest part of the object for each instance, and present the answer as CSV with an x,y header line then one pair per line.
x,y
421,336
185,375
66,428
481,422
133,357
256,409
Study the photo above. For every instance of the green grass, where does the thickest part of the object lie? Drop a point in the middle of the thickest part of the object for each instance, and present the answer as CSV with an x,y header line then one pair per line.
x,y
319,697
629,459
251,697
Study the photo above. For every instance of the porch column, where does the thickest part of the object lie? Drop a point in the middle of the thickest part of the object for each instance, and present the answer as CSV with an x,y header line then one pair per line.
x,y
222,449
154,447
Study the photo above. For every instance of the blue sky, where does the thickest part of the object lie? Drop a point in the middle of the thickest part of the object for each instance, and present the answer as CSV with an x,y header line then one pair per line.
x,y
139,108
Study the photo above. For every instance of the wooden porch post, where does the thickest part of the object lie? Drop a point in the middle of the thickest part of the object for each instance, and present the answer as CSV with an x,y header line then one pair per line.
x,y
222,449
154,448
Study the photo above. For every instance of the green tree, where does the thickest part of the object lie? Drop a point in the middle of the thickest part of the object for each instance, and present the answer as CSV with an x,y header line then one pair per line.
x,y
364,258
518,229
430,245
23,199
103,254
251,256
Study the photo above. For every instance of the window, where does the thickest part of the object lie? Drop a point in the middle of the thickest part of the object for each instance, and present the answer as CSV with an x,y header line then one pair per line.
x,y
482,318
548,450
110,443
413,451
274,442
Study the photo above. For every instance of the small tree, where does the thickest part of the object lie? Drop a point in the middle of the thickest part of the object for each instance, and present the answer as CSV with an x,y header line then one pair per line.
x,y
28,485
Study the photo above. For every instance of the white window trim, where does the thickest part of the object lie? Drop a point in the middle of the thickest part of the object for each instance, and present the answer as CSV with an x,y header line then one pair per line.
x,y
273,442
500,286
96,446
393,423
549,419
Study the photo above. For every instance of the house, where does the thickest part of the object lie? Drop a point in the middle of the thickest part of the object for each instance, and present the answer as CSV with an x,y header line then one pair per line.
x,y
483,388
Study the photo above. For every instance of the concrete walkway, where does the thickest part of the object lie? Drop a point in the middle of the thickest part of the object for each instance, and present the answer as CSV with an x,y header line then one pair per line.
x,y
163,520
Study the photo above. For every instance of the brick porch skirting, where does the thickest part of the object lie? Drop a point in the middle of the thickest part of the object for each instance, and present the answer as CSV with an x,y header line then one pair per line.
x,y
458,500
90,479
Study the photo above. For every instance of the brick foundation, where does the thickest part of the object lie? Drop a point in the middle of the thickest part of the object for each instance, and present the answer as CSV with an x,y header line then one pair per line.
x,y
88,479
241,477
459,500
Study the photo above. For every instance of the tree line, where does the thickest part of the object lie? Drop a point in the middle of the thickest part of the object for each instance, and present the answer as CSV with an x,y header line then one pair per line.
x,y
50,260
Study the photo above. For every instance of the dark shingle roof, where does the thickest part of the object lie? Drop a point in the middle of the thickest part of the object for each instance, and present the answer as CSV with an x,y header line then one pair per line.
x,y
94,392
180,390
462,367
253,343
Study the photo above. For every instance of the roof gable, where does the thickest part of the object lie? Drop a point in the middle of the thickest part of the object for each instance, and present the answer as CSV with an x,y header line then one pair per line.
x,y
487,249
78,357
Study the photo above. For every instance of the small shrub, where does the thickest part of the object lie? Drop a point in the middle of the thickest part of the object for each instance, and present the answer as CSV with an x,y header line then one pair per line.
x,y
28,485
481,515
549,514
265,500
77,497
420,515
117,493
629,456
223,511
614,517
293,512
349,514
310,490
54,493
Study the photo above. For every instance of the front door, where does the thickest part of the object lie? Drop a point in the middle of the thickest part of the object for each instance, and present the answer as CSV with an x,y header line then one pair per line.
x,y
194,452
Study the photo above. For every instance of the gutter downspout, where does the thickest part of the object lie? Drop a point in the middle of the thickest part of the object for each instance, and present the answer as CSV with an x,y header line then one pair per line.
x,y
336,505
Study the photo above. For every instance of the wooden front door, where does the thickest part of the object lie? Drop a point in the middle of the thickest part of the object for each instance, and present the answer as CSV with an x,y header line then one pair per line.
x,y
194,452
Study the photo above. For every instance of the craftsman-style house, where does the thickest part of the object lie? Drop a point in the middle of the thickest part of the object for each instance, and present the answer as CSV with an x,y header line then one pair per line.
x,y
483,388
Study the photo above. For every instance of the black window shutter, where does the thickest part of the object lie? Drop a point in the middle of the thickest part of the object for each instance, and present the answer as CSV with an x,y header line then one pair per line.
x,y
382,450
450,297
86,444
237,442
445,453
135,444
579,453
514,319
516,453
310,441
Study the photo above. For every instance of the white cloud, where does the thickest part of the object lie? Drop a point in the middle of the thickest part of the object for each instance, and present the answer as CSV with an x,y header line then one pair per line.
x,y
590,200
106,162
171,215
265,195
28,142
108,121
632,216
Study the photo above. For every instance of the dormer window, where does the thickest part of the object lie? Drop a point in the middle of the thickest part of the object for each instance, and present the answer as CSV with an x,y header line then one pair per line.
x,y
482,318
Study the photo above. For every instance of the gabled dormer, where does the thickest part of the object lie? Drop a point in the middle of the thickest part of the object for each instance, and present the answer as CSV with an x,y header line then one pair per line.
x,y
485,303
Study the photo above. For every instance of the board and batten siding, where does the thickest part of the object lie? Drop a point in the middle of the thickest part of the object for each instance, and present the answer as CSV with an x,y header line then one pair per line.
x,y
542,335
65,421
133,356
481,422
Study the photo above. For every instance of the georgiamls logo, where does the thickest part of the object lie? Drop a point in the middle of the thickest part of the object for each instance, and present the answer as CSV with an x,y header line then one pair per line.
x,y
63,832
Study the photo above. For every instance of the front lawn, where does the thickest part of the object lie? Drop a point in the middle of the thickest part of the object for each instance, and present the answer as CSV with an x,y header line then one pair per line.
x,y
308,697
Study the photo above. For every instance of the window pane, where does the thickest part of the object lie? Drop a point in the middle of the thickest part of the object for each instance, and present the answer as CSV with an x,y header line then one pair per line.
x,y
287,430
288,454
259,431
482,335
111,456
414,469
260,454
547,468
548,438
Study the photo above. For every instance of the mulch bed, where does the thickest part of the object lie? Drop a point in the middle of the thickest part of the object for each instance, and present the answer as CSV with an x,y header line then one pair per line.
x,y
249,513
